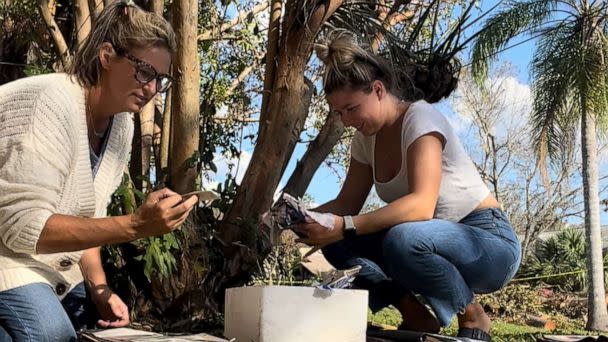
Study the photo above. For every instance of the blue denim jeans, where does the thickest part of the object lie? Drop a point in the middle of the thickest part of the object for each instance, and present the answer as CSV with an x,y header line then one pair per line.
x,y
34,313
444,262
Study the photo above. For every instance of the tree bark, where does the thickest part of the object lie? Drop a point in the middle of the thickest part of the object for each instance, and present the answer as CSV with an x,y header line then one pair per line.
x,y
272,51
95,7
83,22
165,137
301,114
54,32
146,120
185,103
157,6
597,315
315,154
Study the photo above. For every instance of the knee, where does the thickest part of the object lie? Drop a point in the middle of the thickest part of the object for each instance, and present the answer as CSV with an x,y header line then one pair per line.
x,y
59,330
46,330
407,241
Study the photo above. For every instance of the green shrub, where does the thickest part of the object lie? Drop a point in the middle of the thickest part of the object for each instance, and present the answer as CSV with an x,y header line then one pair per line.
x,y
513,302
559,261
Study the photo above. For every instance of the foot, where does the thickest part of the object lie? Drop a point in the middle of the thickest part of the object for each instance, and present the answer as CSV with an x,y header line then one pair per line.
x,y
416,317
474,317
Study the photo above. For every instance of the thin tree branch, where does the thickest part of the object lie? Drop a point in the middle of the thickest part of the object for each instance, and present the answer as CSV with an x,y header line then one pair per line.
x,y
58,39
234,22
83,22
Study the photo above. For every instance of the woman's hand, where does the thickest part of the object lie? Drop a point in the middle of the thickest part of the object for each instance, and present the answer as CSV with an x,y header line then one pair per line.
x,y
314,234
112,310
162,212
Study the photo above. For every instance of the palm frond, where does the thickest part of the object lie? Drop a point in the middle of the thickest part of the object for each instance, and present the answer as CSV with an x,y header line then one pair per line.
x,y
554,71
517,18
594,67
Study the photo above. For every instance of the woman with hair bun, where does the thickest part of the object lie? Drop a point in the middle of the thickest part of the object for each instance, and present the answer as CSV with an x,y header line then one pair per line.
x,y
442,236
64,145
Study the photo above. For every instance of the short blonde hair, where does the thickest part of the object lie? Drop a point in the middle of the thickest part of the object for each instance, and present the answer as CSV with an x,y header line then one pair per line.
x,y
348,65
125,26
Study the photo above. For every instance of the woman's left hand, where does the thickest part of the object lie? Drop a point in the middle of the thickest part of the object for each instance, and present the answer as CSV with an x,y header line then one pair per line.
x,y
112,310
316,235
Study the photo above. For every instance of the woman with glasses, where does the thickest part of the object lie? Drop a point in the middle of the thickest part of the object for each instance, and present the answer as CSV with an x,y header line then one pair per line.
x,y
64,145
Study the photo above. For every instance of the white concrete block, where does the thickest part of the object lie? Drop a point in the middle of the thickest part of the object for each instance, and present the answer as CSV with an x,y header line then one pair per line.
x,y
295,314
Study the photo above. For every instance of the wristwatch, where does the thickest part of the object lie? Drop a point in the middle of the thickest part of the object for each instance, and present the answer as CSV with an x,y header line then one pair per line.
x,y
349,227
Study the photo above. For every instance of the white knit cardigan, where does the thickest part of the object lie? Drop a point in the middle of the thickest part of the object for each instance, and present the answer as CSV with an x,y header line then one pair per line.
x,y
45,169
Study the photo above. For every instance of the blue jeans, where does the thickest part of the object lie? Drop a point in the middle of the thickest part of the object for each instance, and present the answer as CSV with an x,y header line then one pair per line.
x,y
444,262
34,313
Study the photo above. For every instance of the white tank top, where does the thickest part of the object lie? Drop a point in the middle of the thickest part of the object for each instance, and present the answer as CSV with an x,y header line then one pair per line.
x,y
461,189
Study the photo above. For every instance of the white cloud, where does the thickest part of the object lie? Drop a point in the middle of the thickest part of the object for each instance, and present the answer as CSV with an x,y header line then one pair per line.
x,y
511,99
222,163
517,101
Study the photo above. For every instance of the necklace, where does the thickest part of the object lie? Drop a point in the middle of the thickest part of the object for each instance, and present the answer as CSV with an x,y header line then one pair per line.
x,y
90,119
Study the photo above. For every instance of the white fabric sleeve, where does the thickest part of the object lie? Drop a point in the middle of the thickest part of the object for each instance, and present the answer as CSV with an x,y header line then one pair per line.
x,y
422,120
33,167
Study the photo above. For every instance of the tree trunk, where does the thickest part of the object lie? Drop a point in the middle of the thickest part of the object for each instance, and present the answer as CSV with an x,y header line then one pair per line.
x,y
597,313
243,246
272,52
157,6
54,32
301,114
146,120
316,153
83,22
277,131
185,102
165,136
95,7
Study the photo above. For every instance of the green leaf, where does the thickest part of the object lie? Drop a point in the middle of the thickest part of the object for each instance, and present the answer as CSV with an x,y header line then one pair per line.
x,y
515,19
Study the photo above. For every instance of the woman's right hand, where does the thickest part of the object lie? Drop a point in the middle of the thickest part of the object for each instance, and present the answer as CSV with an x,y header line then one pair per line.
x,y
162,212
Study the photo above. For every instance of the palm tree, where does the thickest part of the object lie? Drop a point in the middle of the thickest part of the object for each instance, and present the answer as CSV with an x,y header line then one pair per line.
x,y
570,85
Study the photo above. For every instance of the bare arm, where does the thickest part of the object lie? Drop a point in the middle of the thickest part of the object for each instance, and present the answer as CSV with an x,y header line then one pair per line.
x,y
64,233
92,271
112,310
424,178
354,192
161,213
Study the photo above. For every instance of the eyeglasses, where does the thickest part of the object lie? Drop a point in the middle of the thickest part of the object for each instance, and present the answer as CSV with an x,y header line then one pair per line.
x,y
145,73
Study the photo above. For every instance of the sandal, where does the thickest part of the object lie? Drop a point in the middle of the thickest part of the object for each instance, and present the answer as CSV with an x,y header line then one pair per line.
x,y
474,333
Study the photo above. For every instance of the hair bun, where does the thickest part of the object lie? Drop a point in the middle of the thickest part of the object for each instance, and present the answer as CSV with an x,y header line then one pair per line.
x,y
340,50
322,51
